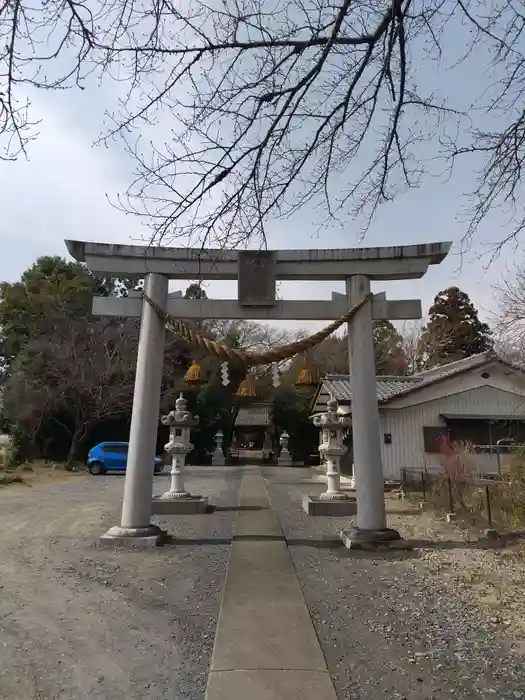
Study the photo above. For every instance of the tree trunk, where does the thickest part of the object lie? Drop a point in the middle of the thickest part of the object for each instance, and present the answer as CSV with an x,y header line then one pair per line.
x,y
76,441
234,412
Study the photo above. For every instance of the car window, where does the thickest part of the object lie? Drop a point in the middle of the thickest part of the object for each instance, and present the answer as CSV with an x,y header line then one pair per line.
x,y
119,449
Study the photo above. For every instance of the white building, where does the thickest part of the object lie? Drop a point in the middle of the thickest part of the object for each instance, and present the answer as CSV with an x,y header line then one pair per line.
x,y
480,399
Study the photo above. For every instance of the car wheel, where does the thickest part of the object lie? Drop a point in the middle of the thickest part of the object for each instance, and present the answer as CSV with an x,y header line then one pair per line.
x,y
96,468
159,469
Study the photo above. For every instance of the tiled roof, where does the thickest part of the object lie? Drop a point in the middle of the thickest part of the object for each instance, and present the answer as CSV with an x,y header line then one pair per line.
x,y
340,386
463,365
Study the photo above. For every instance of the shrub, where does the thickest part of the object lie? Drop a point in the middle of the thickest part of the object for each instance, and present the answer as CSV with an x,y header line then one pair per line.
x,y
7,456
458,463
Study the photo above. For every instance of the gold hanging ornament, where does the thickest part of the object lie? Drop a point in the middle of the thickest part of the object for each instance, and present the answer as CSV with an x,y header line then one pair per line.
x,y
194,374
248,387
306,376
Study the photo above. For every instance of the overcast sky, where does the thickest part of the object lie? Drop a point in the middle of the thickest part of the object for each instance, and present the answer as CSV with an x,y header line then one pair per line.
x,y
62,191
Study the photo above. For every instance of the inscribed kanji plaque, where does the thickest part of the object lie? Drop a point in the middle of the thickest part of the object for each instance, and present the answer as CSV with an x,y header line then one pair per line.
x,y
256,278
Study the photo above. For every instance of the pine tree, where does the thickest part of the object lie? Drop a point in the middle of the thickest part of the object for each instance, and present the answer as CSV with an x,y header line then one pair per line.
x,y
453,331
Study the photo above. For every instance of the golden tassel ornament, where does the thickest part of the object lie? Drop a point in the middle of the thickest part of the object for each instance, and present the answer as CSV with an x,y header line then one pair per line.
x,y
194,374
248,387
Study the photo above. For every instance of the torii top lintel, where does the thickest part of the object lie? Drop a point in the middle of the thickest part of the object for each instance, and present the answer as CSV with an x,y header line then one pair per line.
x,y
381,263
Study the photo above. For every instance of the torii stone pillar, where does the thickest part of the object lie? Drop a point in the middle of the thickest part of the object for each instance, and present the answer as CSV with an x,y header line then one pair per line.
x,y
136,506
368,465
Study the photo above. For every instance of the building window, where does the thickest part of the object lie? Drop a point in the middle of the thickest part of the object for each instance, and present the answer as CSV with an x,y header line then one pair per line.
x,y
433,437
485,432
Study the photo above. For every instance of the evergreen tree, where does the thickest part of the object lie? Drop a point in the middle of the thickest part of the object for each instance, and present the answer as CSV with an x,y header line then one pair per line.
x,y
195,291
453,331
65,372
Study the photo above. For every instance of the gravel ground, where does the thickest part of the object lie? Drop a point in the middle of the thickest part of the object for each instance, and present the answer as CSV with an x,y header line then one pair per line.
x,y
403,624
79,621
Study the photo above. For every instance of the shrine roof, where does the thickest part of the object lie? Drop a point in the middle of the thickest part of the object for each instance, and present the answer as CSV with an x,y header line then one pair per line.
x,y
340,386
390,387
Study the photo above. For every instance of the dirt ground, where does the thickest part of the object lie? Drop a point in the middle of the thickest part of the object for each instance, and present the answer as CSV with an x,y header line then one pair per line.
x,y
78,621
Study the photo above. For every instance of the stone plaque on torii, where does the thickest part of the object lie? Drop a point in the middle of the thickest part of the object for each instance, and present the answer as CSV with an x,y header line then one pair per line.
x,y
256,283
257,273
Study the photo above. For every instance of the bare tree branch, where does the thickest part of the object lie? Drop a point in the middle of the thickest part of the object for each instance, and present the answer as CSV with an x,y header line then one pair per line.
x,y
79,367
240,111
510,317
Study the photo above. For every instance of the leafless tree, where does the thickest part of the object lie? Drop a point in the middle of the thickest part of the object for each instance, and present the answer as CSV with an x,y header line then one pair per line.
x,y
250,335
330,356
411,333
269,105
510,317
79,373
511,302
416,343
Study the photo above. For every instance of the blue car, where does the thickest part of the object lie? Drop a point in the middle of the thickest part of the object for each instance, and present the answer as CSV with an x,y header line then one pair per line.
x,y
113,457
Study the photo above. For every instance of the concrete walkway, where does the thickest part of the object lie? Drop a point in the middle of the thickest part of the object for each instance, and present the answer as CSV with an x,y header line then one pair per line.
x,y
265,647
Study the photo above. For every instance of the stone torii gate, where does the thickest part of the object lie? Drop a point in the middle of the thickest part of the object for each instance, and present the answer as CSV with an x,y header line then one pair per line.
x,y
257,273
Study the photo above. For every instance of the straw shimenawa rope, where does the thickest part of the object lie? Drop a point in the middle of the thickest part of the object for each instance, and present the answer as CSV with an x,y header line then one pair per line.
x,y
277,354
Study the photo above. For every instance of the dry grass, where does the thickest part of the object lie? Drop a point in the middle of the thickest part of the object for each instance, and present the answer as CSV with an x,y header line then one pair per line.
x,y
459,476
10,477
491,579
36,472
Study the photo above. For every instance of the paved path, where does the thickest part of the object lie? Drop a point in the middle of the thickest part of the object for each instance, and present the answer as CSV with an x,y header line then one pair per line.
x,y
265,646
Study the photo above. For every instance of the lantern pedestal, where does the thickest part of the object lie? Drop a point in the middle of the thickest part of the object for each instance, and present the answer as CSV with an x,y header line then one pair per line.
x,y
189,505
330,508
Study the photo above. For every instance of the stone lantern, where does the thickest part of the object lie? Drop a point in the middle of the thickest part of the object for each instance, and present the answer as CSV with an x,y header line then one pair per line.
x,y
218,455
285,458
180,421
332,427
177,499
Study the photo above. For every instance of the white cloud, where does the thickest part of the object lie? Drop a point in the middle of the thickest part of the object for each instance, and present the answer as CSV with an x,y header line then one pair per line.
x,y
60,192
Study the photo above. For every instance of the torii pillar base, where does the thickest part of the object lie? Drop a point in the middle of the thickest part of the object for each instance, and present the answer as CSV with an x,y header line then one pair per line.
x,y
135,537
373,539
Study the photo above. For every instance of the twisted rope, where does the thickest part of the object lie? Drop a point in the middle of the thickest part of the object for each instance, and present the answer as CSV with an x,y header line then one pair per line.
x,y
282,352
